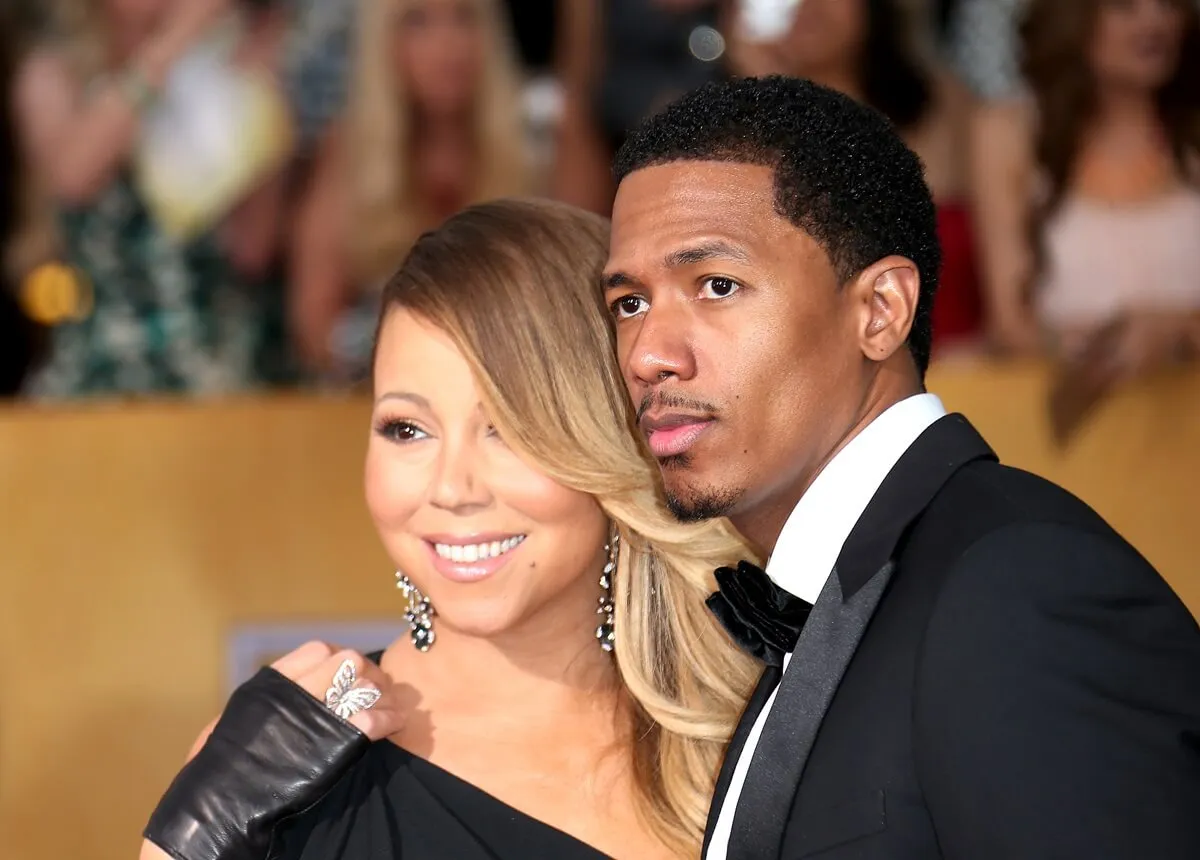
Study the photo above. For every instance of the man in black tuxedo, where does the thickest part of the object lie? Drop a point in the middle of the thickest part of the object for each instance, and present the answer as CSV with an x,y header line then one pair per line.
x,y
987,670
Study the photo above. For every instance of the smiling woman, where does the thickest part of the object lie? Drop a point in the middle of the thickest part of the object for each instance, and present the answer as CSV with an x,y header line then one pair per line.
x,y
564,690
526,434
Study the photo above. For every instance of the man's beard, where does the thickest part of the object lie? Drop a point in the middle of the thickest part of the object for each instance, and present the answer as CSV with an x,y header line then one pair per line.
x,y
706,504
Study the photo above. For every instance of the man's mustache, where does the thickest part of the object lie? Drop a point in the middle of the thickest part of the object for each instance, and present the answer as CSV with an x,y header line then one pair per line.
x,y
663,402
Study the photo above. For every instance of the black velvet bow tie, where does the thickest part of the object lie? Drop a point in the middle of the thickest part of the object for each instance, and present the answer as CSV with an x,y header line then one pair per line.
x,y
760,616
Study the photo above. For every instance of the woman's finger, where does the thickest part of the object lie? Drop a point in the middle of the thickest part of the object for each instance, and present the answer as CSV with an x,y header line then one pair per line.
x,y
379,721
303,660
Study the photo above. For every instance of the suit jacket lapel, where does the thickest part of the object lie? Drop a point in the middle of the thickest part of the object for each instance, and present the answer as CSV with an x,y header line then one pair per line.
x,y
758,699
827,643
833,630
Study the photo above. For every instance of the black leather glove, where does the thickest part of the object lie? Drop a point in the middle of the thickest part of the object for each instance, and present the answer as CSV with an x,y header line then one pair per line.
x,y
275,752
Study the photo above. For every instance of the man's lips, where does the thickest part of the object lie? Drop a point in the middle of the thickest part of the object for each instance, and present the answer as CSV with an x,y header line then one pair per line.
x,y
671,435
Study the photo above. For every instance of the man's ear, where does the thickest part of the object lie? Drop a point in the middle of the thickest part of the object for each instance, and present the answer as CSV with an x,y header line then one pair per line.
x,y
886,293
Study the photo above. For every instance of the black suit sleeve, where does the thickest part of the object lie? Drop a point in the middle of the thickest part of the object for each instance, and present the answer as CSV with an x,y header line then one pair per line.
x,y
1057,710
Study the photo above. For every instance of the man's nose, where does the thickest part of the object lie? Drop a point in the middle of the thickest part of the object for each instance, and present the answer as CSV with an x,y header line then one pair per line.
x,y
660,347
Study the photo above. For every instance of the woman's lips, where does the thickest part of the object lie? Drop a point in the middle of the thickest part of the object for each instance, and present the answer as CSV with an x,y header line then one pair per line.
x,y
461,561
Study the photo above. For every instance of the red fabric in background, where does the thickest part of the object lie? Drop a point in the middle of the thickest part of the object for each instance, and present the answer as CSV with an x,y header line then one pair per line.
x,y
958,306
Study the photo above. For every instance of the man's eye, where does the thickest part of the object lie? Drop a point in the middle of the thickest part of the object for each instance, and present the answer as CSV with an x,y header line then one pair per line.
x,y
628,306
718,288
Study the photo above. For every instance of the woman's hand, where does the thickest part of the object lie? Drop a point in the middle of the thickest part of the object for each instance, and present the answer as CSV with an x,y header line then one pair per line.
x,y
313,666
193,18
77,134
287,736
179,30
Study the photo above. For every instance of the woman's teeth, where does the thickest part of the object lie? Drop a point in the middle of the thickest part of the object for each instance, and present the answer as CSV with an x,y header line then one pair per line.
x,y
468,553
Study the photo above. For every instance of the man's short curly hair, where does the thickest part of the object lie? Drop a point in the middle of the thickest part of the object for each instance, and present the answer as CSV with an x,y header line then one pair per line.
x,y
842,173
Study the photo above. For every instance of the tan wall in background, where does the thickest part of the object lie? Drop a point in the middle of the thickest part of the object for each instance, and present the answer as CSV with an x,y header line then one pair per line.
x,y
134,537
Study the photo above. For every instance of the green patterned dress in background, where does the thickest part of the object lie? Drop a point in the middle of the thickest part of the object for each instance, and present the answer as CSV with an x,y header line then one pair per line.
x,y
166,318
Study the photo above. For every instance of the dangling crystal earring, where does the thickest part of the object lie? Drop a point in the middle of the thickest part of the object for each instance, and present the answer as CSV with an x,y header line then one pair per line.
x,y
419,613
605,633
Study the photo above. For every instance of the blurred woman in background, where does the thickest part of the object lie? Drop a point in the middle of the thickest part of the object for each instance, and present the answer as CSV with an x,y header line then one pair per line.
x,y
876,52
1088,195
434,124
165,315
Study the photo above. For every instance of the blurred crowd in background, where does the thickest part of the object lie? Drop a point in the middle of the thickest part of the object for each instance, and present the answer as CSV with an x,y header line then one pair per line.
x,y
205,196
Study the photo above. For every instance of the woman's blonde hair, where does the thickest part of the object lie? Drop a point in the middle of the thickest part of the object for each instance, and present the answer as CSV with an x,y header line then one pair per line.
x,y
386,214
515,283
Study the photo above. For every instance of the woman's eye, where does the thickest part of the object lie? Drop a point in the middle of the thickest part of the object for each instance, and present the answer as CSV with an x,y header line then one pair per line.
x,y
400,431
718,288
628,306
494,435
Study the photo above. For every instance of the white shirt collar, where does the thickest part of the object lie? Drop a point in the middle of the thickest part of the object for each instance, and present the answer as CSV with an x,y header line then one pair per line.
x,y
818,526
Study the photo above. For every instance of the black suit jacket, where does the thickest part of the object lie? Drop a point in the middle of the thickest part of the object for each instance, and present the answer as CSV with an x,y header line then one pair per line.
x,y
1027,686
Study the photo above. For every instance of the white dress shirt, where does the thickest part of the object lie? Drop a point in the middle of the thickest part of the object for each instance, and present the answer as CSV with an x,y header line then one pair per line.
x,y
812,540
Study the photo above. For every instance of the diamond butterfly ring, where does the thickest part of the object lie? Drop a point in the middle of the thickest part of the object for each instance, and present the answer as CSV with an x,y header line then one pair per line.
x,y
346,700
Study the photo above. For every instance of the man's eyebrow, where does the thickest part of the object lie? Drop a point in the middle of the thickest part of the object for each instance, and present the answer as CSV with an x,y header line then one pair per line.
x,y
716,249
613,280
